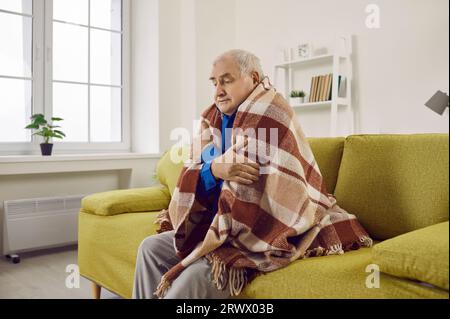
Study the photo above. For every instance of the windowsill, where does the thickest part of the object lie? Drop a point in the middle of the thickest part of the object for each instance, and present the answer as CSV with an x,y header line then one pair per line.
x,y
76,157
125,163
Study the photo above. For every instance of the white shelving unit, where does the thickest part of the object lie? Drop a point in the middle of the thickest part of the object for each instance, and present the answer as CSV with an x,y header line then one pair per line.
x,y
342,52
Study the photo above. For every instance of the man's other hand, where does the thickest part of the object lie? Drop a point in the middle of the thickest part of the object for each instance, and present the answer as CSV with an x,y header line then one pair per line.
x,y
231,166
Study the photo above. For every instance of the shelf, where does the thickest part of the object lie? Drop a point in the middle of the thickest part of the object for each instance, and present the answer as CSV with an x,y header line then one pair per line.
x,y
340,102
299,73
305,60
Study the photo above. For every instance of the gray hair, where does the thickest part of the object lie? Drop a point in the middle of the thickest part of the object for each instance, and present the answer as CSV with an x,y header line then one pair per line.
x,y
246,61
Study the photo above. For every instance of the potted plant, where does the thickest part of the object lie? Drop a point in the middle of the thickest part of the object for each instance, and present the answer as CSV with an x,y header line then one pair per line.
x,y
302,95
46,130
297,97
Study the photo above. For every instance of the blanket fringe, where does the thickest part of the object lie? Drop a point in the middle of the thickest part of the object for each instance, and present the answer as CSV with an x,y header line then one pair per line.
x,y
162,288
335,250
237,280
366,241
162,216
163,221
315,252
237,277
218,272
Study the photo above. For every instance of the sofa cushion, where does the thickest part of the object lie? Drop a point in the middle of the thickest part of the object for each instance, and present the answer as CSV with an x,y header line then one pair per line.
x,y
126,201
421,255
328,153
395,184
336,276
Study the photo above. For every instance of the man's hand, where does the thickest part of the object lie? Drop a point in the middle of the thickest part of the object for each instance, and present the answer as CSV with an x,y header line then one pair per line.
x,y
233,167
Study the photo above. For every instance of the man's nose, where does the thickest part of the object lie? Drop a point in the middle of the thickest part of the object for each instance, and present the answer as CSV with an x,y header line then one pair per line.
x,y
219,90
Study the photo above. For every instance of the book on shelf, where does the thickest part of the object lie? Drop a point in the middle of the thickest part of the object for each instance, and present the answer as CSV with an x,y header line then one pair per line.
x,y
312,94
321,88
324,86
311,89
323,93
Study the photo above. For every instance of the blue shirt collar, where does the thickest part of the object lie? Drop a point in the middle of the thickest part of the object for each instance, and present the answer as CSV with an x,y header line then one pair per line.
x,y
229,117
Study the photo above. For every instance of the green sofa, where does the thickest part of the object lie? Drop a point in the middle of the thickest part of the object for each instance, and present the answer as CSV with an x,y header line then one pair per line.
x,y
397,185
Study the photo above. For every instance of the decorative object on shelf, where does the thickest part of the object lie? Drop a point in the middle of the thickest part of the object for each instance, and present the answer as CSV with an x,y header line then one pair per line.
x,y
46,130
438,102
303,51
297,97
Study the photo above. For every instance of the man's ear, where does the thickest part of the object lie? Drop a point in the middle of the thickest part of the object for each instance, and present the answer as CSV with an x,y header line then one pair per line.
x,y
255,77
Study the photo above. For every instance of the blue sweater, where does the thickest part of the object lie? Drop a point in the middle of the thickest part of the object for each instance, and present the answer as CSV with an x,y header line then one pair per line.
x,y
208,188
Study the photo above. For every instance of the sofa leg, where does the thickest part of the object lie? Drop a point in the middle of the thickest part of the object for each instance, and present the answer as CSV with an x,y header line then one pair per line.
x,y
96,290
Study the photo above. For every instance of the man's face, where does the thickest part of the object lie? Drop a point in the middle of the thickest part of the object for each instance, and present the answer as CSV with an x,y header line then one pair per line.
x,y
231,88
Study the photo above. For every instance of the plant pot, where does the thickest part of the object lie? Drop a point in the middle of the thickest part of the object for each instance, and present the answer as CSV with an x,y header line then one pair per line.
x,y
46,149
294,101
297,100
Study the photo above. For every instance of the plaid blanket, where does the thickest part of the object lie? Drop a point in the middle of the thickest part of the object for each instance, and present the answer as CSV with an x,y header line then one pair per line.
x,y
288,214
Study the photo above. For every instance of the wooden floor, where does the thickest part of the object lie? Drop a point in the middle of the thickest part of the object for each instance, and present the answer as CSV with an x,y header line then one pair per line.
x,y
42,274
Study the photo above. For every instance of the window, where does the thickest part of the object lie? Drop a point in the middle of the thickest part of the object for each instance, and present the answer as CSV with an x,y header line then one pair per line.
x,y
16,79
80,76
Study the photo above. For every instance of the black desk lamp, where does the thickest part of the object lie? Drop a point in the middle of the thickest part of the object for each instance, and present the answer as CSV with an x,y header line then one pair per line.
x,y
438,102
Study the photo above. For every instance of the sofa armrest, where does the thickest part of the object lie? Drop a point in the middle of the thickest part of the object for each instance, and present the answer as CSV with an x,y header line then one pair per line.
x,y
126,201
421,255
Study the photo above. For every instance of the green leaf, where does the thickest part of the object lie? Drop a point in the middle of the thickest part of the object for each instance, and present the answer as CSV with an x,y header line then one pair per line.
x,y
40,121
35,116
32,126
57,119
60,133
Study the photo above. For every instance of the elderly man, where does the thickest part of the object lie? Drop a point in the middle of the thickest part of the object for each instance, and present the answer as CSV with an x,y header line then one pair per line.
x,y
235,74
233,217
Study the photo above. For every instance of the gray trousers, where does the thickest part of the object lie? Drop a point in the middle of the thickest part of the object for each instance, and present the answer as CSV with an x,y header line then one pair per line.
x,y
156,255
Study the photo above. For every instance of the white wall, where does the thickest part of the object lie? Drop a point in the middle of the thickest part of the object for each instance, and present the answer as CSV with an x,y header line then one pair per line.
x,y
397,67
216,33
145,76
163,71
190,33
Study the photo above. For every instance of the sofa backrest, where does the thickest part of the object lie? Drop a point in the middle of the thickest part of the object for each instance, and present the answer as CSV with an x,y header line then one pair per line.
x,y
328,154
168,169
327,151
395,183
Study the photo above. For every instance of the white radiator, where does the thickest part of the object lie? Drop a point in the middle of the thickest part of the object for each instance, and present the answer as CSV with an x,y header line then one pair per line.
x,y
36,223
